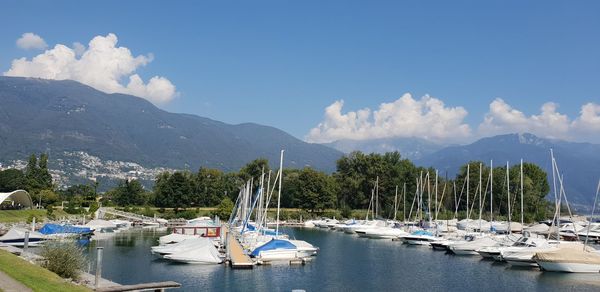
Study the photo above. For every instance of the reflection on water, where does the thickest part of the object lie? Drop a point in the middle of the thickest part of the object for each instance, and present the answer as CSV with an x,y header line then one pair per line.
x,y
345,263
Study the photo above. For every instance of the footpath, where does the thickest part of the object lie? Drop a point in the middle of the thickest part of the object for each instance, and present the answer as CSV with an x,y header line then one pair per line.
x,y
8,284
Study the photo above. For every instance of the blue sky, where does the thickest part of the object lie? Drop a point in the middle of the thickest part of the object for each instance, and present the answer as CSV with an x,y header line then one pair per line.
x,y
281,63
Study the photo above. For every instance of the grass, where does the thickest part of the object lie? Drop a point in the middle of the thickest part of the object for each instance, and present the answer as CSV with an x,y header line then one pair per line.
x,y
14,216
33,276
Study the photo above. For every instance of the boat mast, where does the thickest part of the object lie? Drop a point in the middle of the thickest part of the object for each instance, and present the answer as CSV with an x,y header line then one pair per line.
x,y
455,203
404,202
491,192
428,198
436,194
468,174
508,194
396,203
377,197
480,187
592,217
279,192
522,194
556,200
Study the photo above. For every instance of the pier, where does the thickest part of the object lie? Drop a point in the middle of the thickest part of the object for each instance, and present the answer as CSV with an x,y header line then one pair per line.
x,y
130,216
235,253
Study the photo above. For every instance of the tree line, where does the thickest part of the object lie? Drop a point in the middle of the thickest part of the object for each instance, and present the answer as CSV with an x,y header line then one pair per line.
x,y
349,187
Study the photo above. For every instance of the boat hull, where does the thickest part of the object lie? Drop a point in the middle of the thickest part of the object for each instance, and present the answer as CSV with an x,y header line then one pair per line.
x,y
278,255
464,252
521,263
569,267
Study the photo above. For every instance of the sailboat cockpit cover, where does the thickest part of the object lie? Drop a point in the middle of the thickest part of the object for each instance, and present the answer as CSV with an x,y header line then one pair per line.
x,y
20,197
273,244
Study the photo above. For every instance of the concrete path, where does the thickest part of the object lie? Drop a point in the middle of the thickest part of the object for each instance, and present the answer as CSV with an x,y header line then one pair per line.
x,y
8,284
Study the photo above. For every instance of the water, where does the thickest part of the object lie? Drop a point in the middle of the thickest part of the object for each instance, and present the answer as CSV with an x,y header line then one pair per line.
x,y
345,263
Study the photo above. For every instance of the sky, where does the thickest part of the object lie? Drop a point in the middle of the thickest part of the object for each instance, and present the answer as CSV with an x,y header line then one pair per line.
x,y
446,71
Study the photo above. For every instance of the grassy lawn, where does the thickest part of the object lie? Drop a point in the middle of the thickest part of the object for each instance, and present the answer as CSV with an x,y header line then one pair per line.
x,y
13,216
33,276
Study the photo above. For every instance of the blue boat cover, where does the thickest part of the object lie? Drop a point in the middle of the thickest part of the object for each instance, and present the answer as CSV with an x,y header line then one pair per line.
x,y
50,228
422,232
271,245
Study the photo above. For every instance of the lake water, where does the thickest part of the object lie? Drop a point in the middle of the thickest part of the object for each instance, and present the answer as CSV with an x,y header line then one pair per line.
x,y
345,263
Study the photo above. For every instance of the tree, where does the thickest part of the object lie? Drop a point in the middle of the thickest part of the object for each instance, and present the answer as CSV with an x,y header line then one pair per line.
x,y
37,175
130,193
357,172
11,180
316,190
209,185
49,197
174,190
254,169
224,208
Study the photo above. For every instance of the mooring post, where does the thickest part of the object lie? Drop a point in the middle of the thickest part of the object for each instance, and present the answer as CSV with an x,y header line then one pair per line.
x,y
98,266
26,244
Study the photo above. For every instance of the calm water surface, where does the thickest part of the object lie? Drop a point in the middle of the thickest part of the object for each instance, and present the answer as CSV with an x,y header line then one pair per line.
x,y
345,263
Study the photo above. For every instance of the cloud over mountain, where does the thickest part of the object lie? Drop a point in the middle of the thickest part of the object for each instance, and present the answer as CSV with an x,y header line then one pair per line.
x,y
102,65
428,118
549,123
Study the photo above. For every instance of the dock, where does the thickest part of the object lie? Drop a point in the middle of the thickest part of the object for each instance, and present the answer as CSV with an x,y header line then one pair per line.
x,y
235,253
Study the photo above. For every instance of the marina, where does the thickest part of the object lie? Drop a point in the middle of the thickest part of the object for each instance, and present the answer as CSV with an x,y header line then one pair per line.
x,y
345,262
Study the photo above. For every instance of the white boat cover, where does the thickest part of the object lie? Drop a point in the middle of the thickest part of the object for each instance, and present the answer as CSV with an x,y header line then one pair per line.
x,y
98,223
201,252
174,238
570,255
16,233
186,244
538,228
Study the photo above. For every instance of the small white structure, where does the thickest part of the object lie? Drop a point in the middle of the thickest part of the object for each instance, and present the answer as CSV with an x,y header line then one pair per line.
x,y
20,197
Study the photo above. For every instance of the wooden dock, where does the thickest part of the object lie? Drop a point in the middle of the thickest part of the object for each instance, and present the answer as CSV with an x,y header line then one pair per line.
x,y
237,258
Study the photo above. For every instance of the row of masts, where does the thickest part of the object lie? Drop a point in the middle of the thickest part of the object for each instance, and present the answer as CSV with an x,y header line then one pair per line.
x,y
258,204
423,186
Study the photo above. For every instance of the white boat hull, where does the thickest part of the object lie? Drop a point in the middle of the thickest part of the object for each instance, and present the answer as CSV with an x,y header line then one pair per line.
x,y
522,263
278,255
466,252
569,267
417,242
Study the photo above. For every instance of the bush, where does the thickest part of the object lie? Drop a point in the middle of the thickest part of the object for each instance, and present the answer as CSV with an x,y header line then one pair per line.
x,y
63,258
30,218
187,214
50,212
346,211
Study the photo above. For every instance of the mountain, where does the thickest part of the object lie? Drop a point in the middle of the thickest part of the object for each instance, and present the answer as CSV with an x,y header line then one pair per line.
x,y
578,162
66,117
411,148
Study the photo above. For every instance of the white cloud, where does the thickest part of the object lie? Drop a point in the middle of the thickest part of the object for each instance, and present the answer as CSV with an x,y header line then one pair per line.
x,y
503,118
430,119
427,118
103,65
31,40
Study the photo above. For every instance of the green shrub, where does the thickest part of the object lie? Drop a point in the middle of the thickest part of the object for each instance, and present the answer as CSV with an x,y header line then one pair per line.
x,y
187,214
346,211
31,216
65,259
50,212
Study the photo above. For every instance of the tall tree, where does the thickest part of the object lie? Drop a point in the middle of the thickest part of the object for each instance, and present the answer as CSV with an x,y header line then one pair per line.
x,y
130,193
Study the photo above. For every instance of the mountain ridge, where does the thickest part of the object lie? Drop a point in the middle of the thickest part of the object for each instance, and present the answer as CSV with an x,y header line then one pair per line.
x,y
39,115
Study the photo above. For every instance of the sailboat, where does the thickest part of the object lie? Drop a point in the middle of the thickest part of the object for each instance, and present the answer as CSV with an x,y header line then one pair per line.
x,y
278,248
16,237
566,258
